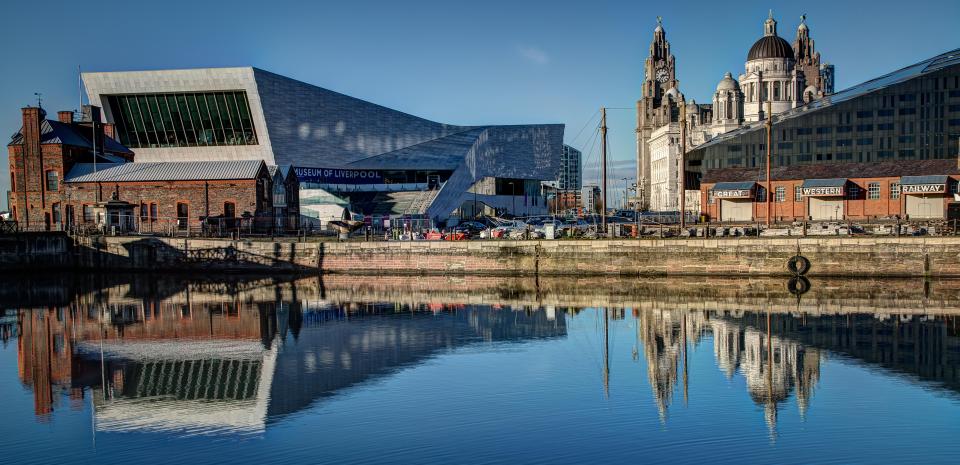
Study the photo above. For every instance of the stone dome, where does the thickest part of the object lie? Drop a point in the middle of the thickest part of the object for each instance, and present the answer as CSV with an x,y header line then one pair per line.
x,y
727,83
770,46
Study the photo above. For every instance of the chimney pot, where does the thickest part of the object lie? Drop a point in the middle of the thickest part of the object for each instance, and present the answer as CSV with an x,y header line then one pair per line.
x,y
65,116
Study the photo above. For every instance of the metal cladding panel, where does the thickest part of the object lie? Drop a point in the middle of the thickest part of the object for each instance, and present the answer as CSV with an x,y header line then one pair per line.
x,y
99,85
525,152
312,126
171,171
438,154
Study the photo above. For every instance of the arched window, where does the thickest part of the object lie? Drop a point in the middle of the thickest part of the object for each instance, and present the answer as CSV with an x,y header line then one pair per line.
x,y
229,210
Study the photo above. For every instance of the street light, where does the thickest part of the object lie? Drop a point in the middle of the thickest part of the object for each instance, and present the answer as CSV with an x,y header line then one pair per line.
x,y
513,194
625,192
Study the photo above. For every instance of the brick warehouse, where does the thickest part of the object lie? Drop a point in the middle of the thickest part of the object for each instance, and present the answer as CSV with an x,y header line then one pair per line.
x,y
919,190
56,183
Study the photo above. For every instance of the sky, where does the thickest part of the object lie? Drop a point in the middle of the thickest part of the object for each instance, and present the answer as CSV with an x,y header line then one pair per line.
x,y
458,62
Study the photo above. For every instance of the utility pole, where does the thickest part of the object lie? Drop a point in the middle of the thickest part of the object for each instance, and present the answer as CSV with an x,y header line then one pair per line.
x,y
681,168
603,162
769,125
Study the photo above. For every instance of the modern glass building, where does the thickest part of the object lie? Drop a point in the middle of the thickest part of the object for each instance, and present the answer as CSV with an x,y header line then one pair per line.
x,y
346,152
909,114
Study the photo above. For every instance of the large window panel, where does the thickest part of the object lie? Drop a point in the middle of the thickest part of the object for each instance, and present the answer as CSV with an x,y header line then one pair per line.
x,y
228,135
182,119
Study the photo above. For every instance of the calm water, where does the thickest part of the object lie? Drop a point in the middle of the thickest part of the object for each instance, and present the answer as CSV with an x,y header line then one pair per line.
x,y
165,369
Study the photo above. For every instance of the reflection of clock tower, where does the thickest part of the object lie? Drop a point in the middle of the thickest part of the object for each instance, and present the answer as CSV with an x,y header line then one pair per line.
x,y
656,106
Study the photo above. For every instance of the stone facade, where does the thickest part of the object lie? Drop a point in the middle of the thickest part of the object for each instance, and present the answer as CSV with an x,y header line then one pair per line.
x,y
775,71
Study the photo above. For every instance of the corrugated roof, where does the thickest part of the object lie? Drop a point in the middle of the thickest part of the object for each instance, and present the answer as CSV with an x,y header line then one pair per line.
x,y
833,182
734,186
170,171
944,60
887,169
918,180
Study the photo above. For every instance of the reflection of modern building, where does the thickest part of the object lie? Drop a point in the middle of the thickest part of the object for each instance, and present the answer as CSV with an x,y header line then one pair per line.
x,y
230,358
345,151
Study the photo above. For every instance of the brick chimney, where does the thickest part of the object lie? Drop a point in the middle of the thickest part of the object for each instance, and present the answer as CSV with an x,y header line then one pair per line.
x,y
31,132
65,116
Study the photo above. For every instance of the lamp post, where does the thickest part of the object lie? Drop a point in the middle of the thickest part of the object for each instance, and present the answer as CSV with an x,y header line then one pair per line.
x,y
625,192
513,195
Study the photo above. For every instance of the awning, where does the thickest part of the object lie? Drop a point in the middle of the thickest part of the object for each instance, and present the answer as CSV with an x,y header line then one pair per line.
x,y
733,190
936,184
823,187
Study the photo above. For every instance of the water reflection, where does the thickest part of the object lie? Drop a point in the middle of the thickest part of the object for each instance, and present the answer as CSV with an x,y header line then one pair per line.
x,y
199,356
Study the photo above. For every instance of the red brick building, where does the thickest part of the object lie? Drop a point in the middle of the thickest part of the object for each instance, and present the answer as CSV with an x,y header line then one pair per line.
x,y
919,190
40,156
162,197
63,176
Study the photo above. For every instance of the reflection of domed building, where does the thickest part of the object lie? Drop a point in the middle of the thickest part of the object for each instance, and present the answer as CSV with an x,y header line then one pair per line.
x,y
665,334
772,366
775,71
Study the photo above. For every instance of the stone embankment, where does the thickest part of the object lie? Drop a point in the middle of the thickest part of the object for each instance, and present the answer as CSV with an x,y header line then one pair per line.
x,y
869,256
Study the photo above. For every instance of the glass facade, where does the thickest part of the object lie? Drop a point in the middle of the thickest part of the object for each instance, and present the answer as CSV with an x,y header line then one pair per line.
x,y
183,119
906,120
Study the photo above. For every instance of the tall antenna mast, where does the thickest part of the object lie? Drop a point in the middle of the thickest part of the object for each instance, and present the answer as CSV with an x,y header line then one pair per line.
x,y
603,163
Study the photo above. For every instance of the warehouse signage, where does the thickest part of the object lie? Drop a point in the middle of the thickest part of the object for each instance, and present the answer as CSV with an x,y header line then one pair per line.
x,y
338,176
822,191
732,194
924,188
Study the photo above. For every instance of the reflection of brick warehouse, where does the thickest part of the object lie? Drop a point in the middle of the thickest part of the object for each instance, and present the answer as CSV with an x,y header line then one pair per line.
x,y
46,349
45,357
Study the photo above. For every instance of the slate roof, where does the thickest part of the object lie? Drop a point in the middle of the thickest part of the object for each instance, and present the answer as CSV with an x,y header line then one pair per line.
x,y
56,132
167,171
918,180
833,182
734,186
887,169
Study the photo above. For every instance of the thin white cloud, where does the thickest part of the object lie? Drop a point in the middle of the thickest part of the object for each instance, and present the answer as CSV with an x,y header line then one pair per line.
x,y
533,54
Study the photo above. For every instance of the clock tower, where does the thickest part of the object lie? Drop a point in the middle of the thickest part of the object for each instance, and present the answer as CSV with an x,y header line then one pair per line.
x,y
658,105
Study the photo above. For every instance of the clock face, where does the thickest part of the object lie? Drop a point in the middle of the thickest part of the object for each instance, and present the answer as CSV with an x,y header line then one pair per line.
x,y
661,75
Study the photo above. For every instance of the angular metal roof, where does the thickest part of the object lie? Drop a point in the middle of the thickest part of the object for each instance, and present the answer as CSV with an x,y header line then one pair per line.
x,y
734,186
833,182
942,61
917,180
168,171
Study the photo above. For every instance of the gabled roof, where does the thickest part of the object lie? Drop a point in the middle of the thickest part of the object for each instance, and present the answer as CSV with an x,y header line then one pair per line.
x,y
937,63
168,171
56,132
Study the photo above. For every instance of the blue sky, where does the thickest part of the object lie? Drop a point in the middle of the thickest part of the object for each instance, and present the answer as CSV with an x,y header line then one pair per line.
x,y
453,61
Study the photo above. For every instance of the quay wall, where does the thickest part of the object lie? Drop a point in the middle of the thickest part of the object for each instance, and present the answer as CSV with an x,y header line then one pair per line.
x,y
905,256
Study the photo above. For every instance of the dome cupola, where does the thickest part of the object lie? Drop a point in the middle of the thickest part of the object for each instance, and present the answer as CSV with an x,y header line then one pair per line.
x,y
770,45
